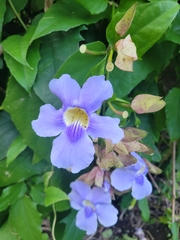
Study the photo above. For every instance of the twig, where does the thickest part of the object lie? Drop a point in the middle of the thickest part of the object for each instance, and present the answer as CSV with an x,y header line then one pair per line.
x,y
17,15
154,183
54,222
173,182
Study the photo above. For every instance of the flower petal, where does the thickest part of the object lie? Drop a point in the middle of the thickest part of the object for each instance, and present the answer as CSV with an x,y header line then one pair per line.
x,y
141,191
81,188
99,196
87,224
67,89
122,179
105,127
67,154
107,214
50,121
75,200
94,91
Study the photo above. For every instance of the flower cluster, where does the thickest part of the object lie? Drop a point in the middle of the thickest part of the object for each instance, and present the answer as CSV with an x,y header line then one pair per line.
x,y
75,125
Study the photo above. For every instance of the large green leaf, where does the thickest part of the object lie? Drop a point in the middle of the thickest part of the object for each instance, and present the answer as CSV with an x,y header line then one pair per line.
x,y
173,114
19,170
22,43
94,6
24,74
24,108
54,195
11,194
64,15
79,65
2,12
25,218
54,52
71,231
123,82
8,133
150,22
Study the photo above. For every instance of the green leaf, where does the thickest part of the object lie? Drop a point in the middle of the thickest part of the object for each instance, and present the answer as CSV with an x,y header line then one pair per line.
x,y
23,109
150,22
18,5
11,194
23,74
123,82
71,231
54,195
2,12
62,16
54,52
98,69
25,218
173,32
37,193
79,64
8,133
19,52
6,232
148,124
20,169
15,149
173,114
94,7
144,207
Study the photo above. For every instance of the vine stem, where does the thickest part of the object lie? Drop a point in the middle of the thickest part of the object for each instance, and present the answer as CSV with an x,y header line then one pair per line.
x,y
54,222
17,15
173,181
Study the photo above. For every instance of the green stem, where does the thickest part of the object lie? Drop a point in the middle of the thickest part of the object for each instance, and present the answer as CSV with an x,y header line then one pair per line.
x,y
17,15
54,222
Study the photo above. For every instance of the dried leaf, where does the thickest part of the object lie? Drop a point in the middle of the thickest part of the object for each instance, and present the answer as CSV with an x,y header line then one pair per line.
x,y
123,25
126,159
89,177
99,177
109,146
147,103
120,148
133,134
126,54
152,168
135,146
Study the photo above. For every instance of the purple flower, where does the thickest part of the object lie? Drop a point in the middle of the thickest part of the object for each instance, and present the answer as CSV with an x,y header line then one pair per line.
x,y
133,176
76,120
93,204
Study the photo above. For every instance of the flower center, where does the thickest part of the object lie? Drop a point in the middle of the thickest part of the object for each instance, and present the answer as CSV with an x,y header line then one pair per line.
x,y
76,115
89,208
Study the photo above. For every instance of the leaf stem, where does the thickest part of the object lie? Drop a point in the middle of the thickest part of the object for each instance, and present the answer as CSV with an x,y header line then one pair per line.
x,y
17,15
54,222
173,181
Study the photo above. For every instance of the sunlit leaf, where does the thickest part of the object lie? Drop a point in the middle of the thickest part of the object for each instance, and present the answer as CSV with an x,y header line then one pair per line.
x,y
54,195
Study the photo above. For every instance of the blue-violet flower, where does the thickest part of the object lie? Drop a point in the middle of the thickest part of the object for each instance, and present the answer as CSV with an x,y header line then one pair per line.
x,y
92,205
76,120
133,176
